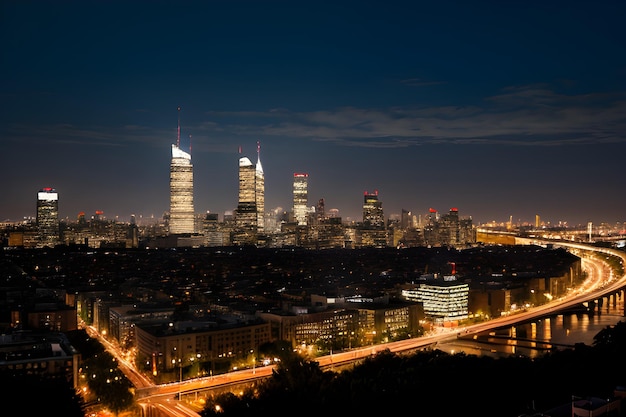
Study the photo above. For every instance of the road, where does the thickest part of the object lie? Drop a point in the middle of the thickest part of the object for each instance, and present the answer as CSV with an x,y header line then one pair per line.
x,y
163,398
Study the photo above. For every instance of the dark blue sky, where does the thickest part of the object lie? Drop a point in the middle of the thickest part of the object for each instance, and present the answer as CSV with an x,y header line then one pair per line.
x,y
500,109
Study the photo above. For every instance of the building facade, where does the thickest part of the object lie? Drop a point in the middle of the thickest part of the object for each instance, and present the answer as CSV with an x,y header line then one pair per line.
x,y
48,217
168,346
259,191
300,198
182,217
250,218
181,193
445,300
373,211
48,355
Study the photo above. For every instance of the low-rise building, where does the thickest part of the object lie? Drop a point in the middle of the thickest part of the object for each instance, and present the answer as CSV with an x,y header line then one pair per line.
x,y
168,344
445,299
48,355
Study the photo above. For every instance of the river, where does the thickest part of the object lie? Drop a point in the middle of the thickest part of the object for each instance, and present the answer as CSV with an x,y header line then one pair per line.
x,y
535,337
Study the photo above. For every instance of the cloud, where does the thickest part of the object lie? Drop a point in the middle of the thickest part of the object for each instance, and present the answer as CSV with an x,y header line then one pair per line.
x,y
531,115
98,136
523,116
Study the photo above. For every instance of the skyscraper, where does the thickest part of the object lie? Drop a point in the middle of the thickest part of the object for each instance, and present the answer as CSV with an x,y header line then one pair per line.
x,y
320,210
246,208
181,189
251,206
300,198
48,216
260,190
373,211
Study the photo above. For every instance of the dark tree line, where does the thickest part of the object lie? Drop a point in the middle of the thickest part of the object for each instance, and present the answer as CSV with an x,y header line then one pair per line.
x,y
32,395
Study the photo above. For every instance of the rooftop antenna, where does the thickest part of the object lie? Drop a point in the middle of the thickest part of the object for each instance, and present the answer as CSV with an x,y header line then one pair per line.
x,y
258,150
178,133
190,144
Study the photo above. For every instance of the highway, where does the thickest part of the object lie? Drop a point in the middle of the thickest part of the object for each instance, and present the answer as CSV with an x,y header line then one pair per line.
x,y
163,400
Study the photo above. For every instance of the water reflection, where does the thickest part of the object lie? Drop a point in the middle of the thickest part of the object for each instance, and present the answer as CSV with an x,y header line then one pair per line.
x,y
550,332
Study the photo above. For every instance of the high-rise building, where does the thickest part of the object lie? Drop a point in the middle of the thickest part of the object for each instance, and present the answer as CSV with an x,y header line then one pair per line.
x,y
405,219
48,216
433,215
251,206
260,190
372,211
320,210
449,228
373,232
181,220
246,208
300,198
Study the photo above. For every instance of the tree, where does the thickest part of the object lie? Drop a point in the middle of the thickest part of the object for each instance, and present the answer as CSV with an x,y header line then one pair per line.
x,y
453,383
36,396
108,383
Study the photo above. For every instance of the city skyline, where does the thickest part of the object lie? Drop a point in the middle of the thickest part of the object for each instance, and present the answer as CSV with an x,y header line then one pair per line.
x,y
504,111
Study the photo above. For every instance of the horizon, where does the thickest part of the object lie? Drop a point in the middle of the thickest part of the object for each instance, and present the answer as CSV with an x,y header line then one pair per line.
x,y
388,216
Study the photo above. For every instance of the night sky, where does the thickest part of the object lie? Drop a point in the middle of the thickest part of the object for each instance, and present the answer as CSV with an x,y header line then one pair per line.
x,y
502,109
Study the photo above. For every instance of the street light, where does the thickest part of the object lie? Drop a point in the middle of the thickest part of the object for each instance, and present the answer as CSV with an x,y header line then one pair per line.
x,y
180,370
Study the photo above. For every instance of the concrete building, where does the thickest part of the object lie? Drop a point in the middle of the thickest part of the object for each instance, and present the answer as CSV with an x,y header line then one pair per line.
x,y
172,344
182,219
48,217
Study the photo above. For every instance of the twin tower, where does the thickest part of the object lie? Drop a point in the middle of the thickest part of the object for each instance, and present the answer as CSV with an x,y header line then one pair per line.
x,y
251,206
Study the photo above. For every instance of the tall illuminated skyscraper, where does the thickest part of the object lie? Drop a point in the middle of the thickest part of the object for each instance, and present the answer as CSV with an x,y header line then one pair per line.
x,y
48,216
260,190
251,206
373,211
246,208
300,198
181,189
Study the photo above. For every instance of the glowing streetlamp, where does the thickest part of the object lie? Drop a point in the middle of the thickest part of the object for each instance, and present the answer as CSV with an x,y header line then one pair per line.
x,y
180,370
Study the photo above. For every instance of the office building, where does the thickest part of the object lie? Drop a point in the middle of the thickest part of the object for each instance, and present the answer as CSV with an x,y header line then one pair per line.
x,y
251,206
48,216
320,210
373,231
373,211
181,219
449,227
445,299
300,198
260,190
406,220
